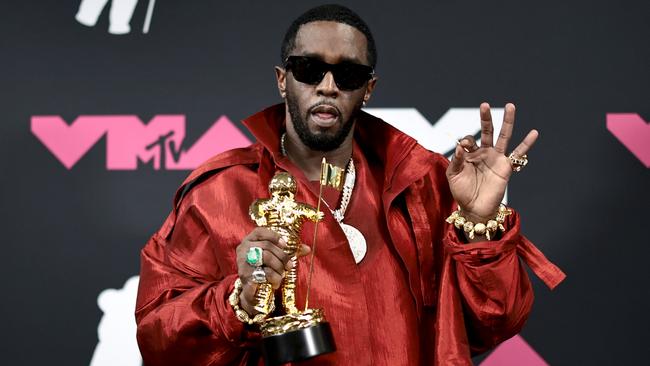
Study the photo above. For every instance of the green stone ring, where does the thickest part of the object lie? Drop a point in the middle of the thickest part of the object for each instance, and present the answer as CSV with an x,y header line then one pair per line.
x,y
254,256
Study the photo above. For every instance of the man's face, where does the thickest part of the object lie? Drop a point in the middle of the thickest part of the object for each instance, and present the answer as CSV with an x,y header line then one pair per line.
x,y
322,115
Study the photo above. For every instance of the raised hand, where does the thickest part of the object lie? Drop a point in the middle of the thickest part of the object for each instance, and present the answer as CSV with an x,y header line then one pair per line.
x,y
478,176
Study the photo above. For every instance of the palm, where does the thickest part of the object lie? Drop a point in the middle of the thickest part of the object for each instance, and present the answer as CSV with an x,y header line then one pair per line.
x,y
478,178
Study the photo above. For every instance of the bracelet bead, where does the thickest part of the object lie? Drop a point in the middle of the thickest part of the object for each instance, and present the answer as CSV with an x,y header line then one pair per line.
x,y
479,228
489,229
469,226
459,222
240,313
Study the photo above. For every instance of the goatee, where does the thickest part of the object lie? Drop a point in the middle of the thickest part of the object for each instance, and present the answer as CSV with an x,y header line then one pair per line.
x,y
318,141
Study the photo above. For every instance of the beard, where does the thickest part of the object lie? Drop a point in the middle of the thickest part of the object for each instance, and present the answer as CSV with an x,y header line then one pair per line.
x,y
319,141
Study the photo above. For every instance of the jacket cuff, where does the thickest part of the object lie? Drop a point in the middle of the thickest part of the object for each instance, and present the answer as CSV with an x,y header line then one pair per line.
x,y
484,251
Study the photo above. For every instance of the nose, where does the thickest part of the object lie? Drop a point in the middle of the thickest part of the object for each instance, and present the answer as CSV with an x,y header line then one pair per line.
x,y
327,87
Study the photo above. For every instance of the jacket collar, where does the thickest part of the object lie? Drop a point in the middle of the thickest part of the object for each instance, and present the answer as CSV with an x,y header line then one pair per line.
x,y
376,138
379,142
267,126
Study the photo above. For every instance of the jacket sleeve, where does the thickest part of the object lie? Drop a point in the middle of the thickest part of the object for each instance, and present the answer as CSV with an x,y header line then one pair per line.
x,y
182,311
496,292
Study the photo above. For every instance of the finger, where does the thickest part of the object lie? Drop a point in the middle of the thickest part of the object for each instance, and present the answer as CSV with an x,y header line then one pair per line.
x,y
273,277
303,250
528,142
469,143
291,263
475,156
271,249
456,165
487,129
270,260
506,128
262,233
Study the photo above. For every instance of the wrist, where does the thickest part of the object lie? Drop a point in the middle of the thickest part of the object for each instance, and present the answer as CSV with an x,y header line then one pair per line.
x,y
477,226
235,300
475,215
245,304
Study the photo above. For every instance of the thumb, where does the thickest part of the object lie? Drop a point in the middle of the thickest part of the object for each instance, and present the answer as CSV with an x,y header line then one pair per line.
x,y
456,165
303,250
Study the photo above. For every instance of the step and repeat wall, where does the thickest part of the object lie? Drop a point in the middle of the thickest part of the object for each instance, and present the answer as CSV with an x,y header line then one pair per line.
x,y
108,104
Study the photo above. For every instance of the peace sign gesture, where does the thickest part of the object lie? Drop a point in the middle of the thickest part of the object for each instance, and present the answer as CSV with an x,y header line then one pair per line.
x,y
478,176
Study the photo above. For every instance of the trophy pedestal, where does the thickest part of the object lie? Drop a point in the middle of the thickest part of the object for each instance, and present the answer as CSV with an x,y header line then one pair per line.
x,y
298,345
296,337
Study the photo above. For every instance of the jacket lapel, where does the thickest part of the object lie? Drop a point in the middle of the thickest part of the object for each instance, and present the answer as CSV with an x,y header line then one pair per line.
x,y
406,164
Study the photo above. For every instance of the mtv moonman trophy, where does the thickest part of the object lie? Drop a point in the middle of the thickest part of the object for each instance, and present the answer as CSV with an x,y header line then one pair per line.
x,y
296,335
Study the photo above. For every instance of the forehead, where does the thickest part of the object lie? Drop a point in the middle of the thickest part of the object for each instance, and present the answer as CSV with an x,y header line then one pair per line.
x,y
333,42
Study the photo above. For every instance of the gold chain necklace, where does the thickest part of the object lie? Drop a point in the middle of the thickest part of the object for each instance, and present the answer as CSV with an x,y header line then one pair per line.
x,y
356,240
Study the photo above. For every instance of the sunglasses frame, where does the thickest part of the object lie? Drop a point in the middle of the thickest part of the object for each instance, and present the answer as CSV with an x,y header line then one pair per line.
x,y
333,68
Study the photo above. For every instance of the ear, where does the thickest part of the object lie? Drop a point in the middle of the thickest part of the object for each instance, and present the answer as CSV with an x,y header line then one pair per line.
x,y
281,76
371,86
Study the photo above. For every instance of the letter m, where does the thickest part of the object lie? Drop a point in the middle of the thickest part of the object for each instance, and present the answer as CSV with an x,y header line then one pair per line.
x,y
126,143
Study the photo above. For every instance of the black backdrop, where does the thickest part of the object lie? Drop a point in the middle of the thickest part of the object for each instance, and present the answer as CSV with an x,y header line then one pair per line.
x,y
70,234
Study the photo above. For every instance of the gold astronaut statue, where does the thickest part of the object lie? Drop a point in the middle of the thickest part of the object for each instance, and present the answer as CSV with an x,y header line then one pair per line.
x,y
295,335
283,215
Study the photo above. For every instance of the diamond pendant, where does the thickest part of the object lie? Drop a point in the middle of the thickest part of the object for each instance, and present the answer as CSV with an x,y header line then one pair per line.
x,y
356,240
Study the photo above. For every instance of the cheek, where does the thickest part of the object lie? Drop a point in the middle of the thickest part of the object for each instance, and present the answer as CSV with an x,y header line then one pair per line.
x,y
300,93
354,99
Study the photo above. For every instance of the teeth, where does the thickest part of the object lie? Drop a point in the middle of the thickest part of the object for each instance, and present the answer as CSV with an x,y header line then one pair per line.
x,y
326,110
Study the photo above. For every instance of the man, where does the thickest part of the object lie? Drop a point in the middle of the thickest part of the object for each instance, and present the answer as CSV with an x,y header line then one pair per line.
x,y
417,290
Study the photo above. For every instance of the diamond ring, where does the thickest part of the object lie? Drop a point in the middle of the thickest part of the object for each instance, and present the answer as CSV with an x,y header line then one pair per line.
x,y
517,162
259,276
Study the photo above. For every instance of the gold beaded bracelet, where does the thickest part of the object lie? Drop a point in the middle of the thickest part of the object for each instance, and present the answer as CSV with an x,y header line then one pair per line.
x,y
240,313
489,229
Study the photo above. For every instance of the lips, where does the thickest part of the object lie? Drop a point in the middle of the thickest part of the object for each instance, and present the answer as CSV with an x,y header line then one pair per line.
x,y
325,115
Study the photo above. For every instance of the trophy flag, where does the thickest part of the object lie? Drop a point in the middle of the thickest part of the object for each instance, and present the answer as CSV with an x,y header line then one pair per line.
x,y
330,176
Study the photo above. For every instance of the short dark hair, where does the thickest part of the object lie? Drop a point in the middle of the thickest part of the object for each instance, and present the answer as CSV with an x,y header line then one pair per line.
x,y
334,13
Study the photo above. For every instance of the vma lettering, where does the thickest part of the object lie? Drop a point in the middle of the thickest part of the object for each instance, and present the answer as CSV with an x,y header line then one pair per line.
x,y
129,141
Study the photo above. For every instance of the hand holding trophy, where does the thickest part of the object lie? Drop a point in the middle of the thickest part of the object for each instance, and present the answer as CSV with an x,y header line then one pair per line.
x,y
296,335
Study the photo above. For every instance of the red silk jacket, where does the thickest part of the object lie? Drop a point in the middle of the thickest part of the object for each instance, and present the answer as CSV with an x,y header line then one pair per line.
x,y
469,297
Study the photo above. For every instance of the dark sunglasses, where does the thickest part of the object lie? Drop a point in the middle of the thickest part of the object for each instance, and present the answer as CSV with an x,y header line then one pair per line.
x,y
310,70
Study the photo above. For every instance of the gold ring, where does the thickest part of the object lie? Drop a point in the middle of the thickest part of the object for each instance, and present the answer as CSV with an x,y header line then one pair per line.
x,y
517,163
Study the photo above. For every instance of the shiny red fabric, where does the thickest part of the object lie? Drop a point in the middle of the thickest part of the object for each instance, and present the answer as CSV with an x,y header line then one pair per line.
x,y
421,296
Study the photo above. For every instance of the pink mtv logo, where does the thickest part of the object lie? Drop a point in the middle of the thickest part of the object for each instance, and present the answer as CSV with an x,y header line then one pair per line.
x,y
633,132
514,352
129,141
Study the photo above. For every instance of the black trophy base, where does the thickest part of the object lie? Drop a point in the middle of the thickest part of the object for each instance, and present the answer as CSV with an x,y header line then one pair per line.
x,y
298,345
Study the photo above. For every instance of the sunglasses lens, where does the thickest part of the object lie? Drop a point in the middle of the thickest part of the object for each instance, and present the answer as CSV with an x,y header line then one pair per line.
x,y
347,76
307,70
350,76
